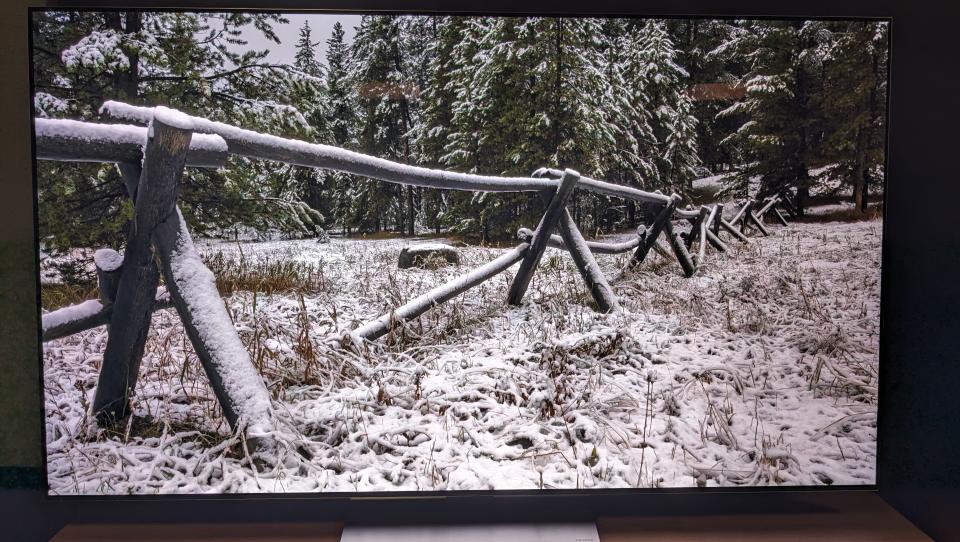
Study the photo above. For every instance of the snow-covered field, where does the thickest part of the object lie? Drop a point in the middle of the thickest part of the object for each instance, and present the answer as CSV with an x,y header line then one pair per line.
x,y
760,370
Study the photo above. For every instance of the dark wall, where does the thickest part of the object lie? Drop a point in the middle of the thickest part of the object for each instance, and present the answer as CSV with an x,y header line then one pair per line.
x,y
919,472
920,367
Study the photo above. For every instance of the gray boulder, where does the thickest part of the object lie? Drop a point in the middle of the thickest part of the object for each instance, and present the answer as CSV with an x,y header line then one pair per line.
x,y
428,255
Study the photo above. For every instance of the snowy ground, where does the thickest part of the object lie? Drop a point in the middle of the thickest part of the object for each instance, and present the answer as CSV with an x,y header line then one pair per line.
x,y
759,370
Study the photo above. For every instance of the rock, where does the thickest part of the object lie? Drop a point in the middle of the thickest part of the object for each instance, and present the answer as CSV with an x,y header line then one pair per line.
x,y
427,255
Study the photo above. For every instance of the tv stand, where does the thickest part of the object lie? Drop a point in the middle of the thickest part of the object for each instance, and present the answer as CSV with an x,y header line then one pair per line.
x,y
822,516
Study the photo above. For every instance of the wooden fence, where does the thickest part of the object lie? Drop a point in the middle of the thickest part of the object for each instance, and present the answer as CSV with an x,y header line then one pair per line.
x,y
151,159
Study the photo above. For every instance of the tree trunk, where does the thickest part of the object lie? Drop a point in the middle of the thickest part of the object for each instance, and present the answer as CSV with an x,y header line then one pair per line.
x,y
865,202
859,182
803,197
411,214
126,82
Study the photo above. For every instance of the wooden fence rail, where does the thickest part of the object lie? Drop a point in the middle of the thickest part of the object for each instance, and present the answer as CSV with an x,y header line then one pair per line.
x,y
268,147
151,160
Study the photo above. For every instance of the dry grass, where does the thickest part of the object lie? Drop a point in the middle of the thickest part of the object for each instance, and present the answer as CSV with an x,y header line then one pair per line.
x,y
592,395
266,276
57,295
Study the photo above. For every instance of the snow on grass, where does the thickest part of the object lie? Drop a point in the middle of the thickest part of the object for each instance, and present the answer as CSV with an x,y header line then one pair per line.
x,y
712,183
835,208
760,370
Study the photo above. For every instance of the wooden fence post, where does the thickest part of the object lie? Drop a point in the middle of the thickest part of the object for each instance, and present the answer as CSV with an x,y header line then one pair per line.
x,y
715,241
137,286
738,218
239,388
771,202
712,227
587,265
780,217
786,199
680,250
541,236
412,309
108,265
756,221
651,234
729,228
192,287
695,227
743,216
700,234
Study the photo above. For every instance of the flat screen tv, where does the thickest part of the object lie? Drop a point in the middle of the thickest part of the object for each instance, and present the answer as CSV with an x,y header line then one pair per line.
x,y
352,254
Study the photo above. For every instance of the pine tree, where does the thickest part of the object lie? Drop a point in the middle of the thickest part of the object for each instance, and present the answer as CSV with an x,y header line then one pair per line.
x,y
435,120
663,83
308,183
385,121
342,122
86,58
854,98
630,123
531,94
781,78
680,156
305,59
699,44
451,123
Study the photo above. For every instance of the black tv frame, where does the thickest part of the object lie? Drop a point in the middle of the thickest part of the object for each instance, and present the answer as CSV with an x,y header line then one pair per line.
x,y
426,494
919,412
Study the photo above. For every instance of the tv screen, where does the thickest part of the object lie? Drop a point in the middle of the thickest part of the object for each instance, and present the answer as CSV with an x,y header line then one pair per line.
x,y
343,253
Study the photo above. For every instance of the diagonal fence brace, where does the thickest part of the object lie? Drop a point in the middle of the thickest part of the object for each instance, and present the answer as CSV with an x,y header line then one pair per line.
x,y
650,234
541,236
587,265
575,244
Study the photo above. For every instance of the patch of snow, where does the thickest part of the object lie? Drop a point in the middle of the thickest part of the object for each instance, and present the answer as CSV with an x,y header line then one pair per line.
x,y
48,105
208,142
173,117
89,131
99,50
107,259
70,314
713,182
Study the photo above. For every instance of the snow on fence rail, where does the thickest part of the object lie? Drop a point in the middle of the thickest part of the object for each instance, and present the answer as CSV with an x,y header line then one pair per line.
x,y
76,141
151,160
269,147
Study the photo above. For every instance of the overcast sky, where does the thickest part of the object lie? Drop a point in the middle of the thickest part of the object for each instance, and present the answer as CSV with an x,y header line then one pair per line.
x,y
320,24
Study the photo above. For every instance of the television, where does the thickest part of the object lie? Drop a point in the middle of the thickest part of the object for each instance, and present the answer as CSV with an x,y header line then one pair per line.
x,y
366,254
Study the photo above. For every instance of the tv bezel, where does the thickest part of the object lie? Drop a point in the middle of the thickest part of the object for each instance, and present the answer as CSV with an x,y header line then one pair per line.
x,y
411,497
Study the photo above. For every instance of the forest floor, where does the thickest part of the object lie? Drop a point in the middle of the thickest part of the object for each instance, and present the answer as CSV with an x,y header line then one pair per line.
x,y
759,370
